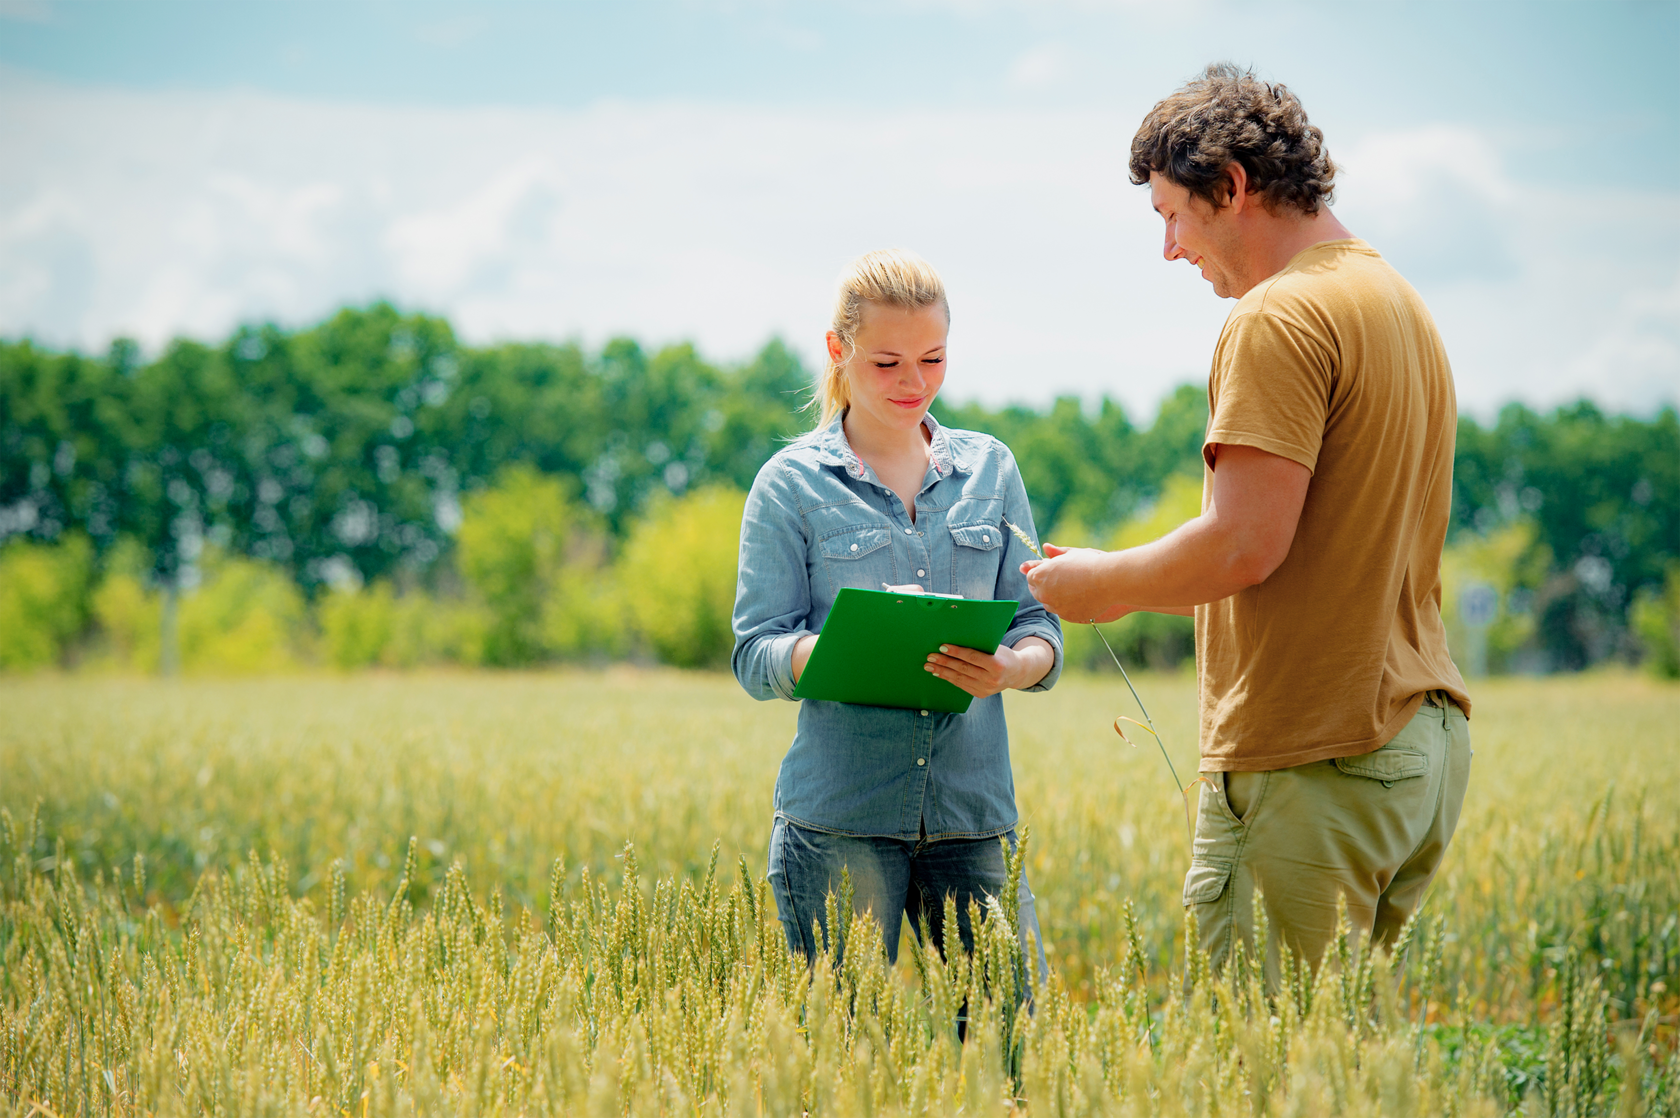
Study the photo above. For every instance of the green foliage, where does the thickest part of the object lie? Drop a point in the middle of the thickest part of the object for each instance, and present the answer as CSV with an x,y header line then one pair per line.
x,y
678,576
375,626
627,427
127,618
756,415
1162,641
535,560
1180,501
1156,640
43,601
241,617
1656,619
1604,495
343,458
358,627
1085,474
1510,561
177,425
61,456
344,452
246,617
517,403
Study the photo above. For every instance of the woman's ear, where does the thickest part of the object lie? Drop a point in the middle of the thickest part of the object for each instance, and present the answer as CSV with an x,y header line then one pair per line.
x,y
836,349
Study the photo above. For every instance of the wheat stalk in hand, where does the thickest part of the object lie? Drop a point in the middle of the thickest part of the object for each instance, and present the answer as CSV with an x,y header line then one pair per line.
x,y
1148,723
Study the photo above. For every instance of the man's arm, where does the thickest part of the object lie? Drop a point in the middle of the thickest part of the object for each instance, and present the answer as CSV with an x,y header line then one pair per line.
x,y
1241,537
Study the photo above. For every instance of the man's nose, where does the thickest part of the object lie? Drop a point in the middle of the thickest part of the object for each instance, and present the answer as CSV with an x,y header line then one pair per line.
x,y
1171,250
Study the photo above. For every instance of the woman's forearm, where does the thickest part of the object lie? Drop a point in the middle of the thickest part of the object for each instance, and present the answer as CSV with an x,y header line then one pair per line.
x,y
802,654
1036,660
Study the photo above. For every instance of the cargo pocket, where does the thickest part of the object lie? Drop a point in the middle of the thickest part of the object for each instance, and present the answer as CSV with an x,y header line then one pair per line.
x,y
1205,882
1388,764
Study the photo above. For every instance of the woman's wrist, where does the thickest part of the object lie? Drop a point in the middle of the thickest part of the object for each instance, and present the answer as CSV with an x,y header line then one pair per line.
x,y
802,654
1034,659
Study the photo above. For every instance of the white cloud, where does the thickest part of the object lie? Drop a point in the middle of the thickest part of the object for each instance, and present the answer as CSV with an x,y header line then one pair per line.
x,y
1543,294
1638,348
177,213
1041,67
160,214
452,31
989,7
445,249
1438,197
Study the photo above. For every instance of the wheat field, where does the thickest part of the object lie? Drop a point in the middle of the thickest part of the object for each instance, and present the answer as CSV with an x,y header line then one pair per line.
x,y
543,893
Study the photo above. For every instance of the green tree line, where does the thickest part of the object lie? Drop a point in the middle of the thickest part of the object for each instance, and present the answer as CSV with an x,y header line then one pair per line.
x,y
368,490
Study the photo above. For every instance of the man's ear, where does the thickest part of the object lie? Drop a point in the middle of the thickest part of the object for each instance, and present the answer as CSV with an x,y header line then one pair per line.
x,y
1236,180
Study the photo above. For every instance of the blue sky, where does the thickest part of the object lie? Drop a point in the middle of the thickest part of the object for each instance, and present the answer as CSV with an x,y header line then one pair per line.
x,y
700,170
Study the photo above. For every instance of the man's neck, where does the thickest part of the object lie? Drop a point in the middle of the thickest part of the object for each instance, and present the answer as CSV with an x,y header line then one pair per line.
x,y
1276,239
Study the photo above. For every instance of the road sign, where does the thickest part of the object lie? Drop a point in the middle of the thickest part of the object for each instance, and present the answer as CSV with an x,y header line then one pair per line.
x,y
1478,604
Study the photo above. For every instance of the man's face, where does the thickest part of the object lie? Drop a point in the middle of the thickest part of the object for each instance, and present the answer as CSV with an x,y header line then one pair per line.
x,y
1199,233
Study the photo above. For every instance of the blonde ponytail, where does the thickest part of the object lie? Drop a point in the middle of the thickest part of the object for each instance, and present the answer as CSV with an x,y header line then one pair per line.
x,y
891,277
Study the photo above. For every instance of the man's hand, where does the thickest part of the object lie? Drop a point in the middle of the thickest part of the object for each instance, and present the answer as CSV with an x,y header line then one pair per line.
x,y
982,674
1068,582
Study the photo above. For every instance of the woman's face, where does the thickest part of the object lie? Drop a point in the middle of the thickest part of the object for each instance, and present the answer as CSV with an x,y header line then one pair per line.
x,y
897,365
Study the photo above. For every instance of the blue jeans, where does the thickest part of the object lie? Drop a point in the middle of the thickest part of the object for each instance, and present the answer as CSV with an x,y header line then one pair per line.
x,y
891,878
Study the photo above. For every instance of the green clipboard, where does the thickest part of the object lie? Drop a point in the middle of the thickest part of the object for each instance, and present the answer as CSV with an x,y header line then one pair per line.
x,y
874,645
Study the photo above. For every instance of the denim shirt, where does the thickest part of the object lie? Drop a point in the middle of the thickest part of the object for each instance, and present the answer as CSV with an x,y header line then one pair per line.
x,y
818,519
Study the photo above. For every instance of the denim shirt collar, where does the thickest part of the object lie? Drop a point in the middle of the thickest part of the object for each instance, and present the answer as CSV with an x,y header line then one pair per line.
x,y
833,450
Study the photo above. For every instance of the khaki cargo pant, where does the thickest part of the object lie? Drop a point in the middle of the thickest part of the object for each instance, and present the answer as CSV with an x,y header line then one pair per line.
x,y
1372,828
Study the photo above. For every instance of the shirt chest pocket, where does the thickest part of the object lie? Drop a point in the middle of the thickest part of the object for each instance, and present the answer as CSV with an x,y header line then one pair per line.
x,y
976,554
857,556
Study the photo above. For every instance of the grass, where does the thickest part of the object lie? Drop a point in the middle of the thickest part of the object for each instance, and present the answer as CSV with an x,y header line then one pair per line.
x,y
280,946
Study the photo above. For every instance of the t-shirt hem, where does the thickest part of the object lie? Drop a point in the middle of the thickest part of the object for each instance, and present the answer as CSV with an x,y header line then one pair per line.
x,y
1317,753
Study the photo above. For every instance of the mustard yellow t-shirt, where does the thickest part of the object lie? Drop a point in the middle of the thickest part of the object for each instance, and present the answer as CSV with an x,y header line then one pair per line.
x,y
1334,363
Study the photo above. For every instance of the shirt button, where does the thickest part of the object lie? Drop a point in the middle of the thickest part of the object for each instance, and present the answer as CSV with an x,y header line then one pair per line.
x,y
909,531
985,539
921,760
920,574
854,547
924,714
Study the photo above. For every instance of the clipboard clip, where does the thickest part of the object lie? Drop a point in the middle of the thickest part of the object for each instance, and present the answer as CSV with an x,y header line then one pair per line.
x,y
918,592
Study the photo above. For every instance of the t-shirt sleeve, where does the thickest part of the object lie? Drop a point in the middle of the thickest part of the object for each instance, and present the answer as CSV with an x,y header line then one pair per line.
x,y
1270,389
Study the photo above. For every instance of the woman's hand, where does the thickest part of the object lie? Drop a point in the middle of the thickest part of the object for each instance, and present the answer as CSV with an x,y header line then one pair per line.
x,y
802,655
984,674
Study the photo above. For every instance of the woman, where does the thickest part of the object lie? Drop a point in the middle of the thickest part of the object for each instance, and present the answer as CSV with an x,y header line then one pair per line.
x,y
910,803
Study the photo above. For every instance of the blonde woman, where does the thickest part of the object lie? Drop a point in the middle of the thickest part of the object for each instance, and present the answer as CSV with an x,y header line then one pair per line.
x,y
911,803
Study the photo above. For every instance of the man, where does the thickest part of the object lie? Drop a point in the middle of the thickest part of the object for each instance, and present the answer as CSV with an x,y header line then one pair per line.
x,y
1334,733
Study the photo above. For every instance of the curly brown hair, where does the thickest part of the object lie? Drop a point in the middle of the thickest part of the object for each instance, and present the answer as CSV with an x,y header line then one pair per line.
x,y
1230,116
